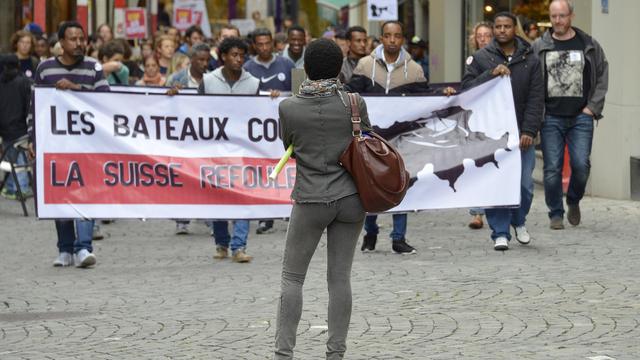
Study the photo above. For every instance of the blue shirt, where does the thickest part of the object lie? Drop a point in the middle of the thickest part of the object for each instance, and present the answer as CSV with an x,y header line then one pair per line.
x,y
274,75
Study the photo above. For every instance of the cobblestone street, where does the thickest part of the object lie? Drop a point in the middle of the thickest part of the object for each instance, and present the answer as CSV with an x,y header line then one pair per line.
x,y
571,294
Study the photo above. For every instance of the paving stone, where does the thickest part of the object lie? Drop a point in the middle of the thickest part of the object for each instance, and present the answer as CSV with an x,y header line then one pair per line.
x,y
571,294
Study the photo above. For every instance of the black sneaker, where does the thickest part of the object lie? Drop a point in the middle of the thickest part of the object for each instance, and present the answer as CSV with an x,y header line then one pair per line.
x,y
369,243
265,228
401,247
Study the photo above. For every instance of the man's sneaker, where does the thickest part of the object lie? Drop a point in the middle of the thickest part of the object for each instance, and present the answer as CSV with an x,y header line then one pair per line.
x,y
182,229
501,244
84,259
63,259
240,256
265,228
522,235
556,223
97,234
476,222
221,253
573,215
369,243
8,195
401,247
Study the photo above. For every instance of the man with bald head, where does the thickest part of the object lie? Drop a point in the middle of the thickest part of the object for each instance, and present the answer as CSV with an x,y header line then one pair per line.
x,y
576,74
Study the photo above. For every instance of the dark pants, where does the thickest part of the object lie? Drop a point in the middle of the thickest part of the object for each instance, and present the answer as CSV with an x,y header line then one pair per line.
x,y
577,134
343,220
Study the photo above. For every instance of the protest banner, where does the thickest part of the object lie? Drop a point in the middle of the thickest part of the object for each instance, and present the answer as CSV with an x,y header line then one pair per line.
x,y
145,155
183,18
199,15
135,24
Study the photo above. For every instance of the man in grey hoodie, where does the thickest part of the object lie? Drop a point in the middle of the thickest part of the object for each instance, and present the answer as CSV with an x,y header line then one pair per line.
x,y
231,78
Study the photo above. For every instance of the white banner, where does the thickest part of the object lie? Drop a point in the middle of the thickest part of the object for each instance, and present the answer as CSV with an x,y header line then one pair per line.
x,y
144,155
382,10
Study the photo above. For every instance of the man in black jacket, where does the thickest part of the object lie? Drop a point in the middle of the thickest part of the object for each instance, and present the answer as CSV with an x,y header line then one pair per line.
x,y
508,55
15,94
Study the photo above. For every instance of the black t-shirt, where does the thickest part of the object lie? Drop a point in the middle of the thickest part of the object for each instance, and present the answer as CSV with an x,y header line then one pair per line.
x,y
567,77
27,68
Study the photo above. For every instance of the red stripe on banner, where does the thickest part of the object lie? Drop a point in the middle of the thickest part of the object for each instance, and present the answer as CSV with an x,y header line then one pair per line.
x,y
150,179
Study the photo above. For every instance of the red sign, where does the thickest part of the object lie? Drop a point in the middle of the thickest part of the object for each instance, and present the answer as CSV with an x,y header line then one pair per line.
x,y
135,25
183,18
153,179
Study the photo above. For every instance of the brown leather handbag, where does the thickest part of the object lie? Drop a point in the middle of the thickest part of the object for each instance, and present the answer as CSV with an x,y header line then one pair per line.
x,y
375,166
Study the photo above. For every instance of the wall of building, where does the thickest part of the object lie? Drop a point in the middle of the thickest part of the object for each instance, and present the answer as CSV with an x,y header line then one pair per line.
x,y
445,40
7,25
617,136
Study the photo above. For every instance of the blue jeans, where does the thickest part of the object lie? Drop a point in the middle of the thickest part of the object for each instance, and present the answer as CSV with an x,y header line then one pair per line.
x,y
240,233
18,158
72,239
577,133
399,226
500,219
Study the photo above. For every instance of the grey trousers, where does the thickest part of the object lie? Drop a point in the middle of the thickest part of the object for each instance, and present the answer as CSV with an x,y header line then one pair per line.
x,y
343,220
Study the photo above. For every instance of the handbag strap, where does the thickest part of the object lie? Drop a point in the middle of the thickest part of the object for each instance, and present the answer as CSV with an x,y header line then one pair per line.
x,y
356,129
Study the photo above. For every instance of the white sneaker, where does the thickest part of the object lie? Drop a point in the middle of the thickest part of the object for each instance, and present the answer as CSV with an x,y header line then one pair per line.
x,y
522,235
181,229
63,259
84,258
501,244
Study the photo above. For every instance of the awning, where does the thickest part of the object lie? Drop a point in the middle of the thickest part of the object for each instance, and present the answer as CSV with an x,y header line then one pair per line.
x,y
335,4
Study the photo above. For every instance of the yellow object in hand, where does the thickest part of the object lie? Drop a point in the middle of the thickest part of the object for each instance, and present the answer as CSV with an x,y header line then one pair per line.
x,y
283,160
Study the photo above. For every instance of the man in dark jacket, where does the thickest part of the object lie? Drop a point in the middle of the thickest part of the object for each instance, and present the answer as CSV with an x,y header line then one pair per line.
x,y
508,55
15,94
576,72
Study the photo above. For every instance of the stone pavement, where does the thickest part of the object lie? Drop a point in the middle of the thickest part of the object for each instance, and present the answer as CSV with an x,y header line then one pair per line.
x,y
571,294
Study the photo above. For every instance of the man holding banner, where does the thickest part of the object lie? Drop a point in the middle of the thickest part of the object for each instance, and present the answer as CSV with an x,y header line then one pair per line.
x,y
388,69
231,78
73,71
274,72
508,55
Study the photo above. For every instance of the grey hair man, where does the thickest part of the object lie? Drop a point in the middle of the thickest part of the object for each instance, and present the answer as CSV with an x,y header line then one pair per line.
x,y
576,74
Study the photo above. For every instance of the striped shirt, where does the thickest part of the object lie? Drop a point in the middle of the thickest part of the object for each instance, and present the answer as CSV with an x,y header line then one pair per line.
x,y
86,73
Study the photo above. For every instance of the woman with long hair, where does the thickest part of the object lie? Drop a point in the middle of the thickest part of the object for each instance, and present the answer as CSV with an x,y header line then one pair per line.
x,y
23,44
152,76
480,37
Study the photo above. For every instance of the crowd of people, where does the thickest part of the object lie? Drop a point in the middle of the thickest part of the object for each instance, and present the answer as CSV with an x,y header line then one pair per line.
x,y
231,64
226,64
559,82
263,62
